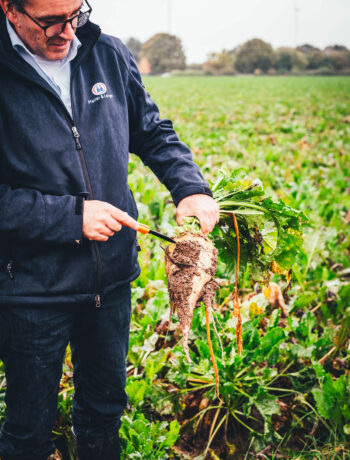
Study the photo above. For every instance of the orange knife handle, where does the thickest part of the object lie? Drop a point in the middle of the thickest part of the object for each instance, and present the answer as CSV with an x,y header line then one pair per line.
x,y
144,229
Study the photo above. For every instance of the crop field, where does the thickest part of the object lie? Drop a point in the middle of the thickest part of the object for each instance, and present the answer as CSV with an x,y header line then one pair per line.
x,y
288,394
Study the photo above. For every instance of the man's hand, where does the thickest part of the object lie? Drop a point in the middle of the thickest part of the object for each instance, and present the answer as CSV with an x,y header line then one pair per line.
x,y
201,206
101,220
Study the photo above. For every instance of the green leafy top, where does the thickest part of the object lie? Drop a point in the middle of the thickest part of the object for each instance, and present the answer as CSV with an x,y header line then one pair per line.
x,y
270,232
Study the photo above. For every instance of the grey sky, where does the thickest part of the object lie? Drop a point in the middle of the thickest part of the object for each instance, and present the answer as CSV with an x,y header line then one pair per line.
x,y
206,25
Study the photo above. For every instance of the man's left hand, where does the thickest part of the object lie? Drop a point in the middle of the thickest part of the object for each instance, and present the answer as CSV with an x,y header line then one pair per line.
x,y
201,206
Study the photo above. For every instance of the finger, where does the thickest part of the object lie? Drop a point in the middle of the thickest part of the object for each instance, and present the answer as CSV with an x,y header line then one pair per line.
x,y
211,226
213,210
102,238
113,225
217,214
179,219
101,228
107,232
99,237
214,216
124,219
214,220
205,224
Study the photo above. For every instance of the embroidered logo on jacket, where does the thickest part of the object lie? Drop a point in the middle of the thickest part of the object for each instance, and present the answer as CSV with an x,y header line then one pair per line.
x,y
99,90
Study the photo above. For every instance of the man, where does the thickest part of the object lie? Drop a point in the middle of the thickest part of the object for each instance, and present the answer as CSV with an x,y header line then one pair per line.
x,y
72,108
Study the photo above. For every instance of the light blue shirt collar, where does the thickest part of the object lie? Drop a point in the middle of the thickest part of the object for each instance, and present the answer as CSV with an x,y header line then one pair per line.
x,y
20,47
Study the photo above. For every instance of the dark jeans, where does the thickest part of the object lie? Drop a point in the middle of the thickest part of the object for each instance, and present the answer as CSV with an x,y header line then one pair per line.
x,y
32,346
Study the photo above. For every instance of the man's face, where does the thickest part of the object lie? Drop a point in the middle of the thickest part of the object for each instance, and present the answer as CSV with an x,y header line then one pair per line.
x,y
46,12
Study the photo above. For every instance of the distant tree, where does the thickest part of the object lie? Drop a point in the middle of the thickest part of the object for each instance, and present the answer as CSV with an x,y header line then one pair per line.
x,y
338,60
220,63
284,62
134,46
255,55
330,49
289,59
315,59
307,48
164,53
300,61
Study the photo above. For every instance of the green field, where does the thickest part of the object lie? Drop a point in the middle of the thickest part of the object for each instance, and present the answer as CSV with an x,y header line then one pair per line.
x,y
288,395
294,134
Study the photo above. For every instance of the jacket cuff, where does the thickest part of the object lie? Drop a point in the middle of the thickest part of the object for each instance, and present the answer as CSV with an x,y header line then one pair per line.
x,y
79,213
191,190
74,223
79,205
63,223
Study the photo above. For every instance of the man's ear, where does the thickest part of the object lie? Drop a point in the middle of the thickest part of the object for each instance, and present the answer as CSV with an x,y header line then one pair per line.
x,y
4,5
9,10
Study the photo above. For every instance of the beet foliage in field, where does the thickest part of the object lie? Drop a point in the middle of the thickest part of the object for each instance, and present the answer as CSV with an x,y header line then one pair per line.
x,y
270,232
294,135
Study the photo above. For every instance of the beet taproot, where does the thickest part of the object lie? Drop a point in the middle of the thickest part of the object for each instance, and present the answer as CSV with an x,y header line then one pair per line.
x,y
190,267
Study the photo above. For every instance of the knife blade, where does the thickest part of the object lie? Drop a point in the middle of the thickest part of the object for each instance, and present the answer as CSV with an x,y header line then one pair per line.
x,y
144,229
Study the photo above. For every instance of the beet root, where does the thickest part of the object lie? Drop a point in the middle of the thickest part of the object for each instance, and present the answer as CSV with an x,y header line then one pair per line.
x,y
190,267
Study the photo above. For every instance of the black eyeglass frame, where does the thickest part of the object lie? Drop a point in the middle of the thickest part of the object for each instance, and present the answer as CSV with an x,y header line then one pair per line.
x,y
64,23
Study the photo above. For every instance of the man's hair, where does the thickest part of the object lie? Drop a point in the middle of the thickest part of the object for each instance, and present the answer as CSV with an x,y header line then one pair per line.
x,y
18,4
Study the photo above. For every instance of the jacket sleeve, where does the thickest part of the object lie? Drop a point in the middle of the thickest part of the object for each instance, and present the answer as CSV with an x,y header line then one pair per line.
x,y
27,214
157,144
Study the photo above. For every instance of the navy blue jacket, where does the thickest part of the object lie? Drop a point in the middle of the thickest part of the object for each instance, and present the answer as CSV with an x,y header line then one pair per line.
x,y
50,162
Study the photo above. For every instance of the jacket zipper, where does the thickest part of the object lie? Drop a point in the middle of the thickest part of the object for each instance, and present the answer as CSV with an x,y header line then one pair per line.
x,y
98,300
89,186
76,137
91,196
9,268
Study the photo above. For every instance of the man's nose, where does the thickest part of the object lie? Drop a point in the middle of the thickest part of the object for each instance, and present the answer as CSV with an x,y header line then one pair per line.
x,y
68,32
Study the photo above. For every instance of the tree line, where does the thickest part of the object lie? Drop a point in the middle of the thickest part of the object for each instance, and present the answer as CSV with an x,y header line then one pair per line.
x,y
164,53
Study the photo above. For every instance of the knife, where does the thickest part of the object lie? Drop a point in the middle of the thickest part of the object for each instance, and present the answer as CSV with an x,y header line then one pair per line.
x,y
144,229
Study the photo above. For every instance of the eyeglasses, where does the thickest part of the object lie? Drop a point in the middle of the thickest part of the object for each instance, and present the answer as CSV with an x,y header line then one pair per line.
x,y
58,27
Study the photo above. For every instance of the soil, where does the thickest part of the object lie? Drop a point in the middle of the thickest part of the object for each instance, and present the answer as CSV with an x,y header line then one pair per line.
x,y
190,266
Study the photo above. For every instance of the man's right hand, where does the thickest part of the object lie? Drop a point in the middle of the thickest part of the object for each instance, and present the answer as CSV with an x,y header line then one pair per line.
x,y
101,220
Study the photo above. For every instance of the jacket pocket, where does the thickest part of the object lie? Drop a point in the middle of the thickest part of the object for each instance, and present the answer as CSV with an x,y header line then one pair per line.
x,y
51,269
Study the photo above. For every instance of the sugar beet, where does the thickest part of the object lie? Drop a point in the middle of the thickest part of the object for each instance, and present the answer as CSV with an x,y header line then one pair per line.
x,y
190,266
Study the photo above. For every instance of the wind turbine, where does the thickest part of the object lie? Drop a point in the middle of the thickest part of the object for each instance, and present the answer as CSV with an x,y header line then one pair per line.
x,y
296,23
169,15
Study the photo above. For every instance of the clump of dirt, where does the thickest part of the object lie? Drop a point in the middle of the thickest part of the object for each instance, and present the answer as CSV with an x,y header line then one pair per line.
x,y
190,266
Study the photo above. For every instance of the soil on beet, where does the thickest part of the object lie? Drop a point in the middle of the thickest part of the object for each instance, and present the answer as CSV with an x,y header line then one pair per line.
x,y
190,265
185,256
